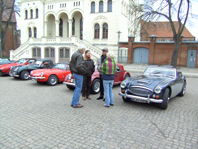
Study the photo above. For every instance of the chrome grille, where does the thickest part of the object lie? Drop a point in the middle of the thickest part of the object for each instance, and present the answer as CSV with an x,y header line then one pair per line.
x,y
140,91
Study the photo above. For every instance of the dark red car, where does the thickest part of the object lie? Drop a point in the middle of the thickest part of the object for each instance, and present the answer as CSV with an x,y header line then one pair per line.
x,y
120,75
5,68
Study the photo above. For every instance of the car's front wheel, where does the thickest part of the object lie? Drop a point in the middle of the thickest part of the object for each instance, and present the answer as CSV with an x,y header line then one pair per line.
x,y
183,91
165,99
95,87
52,80
70,87
25,75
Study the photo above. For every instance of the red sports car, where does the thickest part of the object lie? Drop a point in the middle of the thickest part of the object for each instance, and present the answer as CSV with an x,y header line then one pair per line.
x,y
120,75
52,76
5,68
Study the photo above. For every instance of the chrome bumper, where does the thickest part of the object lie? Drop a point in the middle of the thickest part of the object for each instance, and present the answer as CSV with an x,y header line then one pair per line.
x,y
67,83
148,100
35,78
14,75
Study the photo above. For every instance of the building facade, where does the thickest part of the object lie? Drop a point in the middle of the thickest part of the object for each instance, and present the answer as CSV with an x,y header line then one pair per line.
x,y
54,29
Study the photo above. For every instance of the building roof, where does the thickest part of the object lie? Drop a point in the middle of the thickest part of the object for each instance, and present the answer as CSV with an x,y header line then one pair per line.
x,y
162,29
6,12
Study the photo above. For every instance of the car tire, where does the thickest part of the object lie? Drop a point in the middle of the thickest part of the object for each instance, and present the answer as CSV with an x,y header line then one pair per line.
x,y
125,99
183,91
70,87
127,76
52,80
165,99
95,87
24,75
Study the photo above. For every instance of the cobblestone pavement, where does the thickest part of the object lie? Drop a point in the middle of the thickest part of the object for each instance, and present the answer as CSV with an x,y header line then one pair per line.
x,y
39,116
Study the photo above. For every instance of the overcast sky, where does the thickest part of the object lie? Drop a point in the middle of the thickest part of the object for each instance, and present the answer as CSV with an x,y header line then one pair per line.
x,y
192,24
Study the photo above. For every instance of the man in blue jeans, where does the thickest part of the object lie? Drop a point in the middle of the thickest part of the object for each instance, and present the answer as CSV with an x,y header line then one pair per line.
x,y
78,69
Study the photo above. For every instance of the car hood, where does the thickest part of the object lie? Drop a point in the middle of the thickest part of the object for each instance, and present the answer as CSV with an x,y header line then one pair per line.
x,y
149,81
8,65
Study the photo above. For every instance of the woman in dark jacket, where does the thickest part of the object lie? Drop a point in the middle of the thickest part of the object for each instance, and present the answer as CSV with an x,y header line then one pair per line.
x,y
87,77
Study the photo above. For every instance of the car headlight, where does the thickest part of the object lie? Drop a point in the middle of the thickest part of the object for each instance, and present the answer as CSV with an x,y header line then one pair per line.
x,y
69,76
123,85
41,74
157,90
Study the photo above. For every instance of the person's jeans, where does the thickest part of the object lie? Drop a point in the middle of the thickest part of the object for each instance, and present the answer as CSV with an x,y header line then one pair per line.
x,y
108,85
78,87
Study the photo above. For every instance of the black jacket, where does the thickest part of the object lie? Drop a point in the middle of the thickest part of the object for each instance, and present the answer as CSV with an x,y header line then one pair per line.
x,y
90,66
77,64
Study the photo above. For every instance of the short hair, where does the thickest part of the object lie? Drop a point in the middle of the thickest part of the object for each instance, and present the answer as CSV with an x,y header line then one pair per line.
x,y
80,47
87,51
110,55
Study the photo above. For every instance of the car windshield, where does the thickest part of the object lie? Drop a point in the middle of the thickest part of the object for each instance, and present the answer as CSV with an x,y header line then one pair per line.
x,y
60,66
160,71
4,60
21,61
38,63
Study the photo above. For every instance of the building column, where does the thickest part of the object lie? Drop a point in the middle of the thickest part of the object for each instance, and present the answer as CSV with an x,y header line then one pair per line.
x,y
130,49
56,55
45,29
70,27
57,27
42,52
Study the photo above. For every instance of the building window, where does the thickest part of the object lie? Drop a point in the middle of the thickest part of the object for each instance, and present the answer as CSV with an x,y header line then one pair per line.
x,y
26,14
47,52
109,6
73,27
35,32
97,31
64,53
52,52
105,31
93,7
81,28
61,28
31,13
101,6
30,32
36,13
36,52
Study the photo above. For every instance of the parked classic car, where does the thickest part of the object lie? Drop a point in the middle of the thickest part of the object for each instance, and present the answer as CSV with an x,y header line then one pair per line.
x,y
5,61
5,68
156,84
52,76
23,72
120,75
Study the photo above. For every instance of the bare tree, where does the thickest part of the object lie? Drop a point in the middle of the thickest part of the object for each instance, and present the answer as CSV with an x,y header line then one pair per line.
x,y
171,10
6,14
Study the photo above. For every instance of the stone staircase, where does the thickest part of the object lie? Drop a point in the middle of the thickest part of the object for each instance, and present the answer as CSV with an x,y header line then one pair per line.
x,y
24,51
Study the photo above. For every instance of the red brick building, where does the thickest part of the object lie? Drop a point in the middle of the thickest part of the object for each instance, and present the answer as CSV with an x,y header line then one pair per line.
x,y
155,52
163,31
12,40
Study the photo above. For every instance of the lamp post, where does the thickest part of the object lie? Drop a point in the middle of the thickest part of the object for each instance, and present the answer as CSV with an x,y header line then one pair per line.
x,y
118,44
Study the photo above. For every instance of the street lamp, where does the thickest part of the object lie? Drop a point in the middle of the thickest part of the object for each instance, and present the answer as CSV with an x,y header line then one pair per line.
x,y
118,44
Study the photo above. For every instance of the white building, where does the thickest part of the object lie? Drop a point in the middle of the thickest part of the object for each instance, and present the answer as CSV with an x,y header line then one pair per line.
x,y
54,28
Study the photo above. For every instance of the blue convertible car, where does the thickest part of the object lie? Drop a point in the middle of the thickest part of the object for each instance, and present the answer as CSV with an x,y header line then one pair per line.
x,y
156,84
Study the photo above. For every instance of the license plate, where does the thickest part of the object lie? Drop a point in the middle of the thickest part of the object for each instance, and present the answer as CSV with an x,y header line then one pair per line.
x,y
138,100
33,79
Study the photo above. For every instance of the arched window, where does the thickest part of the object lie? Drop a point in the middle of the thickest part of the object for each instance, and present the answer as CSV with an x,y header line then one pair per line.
x,y
105,31
109,6
93,7
36,13
73,27
31,13
97,31
35,32
101,6
30,32
26,14
61,28
81,28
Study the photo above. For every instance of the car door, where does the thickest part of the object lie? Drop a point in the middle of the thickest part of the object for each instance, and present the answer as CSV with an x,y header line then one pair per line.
x,y
117,74
177,85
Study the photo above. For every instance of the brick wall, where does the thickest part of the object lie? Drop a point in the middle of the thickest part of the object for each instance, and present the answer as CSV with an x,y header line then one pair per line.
x,y
160,53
